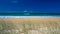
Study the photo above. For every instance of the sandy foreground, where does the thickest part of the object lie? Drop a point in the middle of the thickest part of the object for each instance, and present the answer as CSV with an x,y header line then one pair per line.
x,y
31,25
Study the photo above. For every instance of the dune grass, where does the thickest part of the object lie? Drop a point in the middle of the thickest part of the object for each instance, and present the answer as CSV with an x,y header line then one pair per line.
x,y
8,27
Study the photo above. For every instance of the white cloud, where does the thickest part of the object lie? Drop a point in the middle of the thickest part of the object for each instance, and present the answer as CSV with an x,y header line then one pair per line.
x,y
25,11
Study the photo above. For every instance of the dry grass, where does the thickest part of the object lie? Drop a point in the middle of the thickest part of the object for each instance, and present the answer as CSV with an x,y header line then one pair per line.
x,y
32,25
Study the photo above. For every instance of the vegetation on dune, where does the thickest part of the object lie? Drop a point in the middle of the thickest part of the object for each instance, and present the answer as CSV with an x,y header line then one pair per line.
x,y
8,27
5,26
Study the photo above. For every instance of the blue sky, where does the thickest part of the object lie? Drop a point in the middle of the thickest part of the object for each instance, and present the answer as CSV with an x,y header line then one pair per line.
x,y
35,6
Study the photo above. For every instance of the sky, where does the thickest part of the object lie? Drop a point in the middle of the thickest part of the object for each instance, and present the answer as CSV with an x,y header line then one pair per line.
x,y
33,6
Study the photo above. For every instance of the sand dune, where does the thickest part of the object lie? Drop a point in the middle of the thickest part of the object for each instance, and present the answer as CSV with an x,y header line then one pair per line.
x,y
33,25
33,20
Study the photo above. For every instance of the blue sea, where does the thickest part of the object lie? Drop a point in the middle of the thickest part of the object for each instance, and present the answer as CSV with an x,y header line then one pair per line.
x,y
29,15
